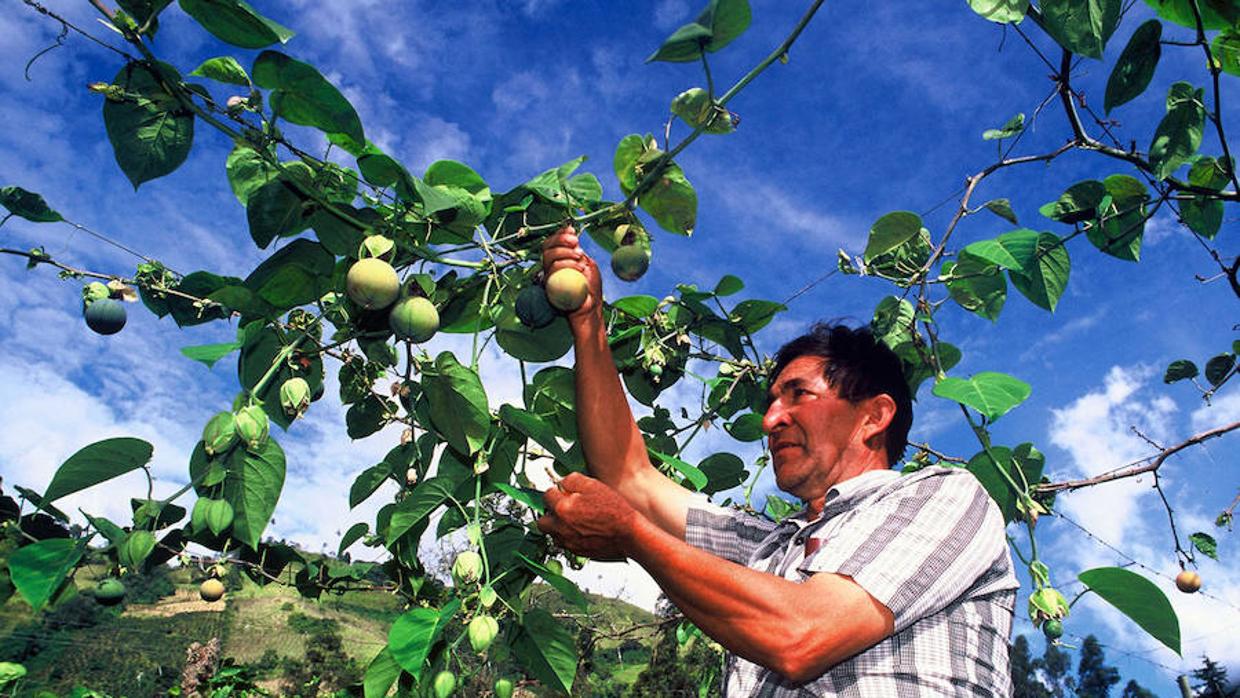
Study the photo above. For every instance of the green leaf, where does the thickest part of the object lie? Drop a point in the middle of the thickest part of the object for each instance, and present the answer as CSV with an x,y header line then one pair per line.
x,y
235,22
1218,367
992,394
1025,459
892,321
695,107
747,427
414,632
1120,224
1009,250
1179,370
628,150
723,471
223,69
1139,599
303,96
458,403
671,201
366,416
537,345
37,570
208,354
1046,272
295,275
252,486
136,549
1135,68
547,650
381,673
918,368
1079,203
150,131
534,427
1203,215
28,205
530,498
716,27
1215,14
367,483
565,586
1081,26
1179,134
1003,209
891,231
728,285
412,510
637,306
1001,11
1010,128
977,285
96,463
689,472
248,171
351,536
753,315
1226,49
1205,544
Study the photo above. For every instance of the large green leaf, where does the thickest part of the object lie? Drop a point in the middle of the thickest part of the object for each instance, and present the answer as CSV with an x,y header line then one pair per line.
x,y
1135,68
367,483
224,69
38,569
891,231
716,27
28,205
296,274
1119,227
1002,11
1139,599
381,673
150,130
671,201
691,473
534,427
1179,134
1226,49
96,463
1179,370
537,345
1046,272
547,650
1025,459
1081,26
414,632
412,510
977,285
235,22
458,403
992,394
208,354
252,485
303,96
567,588
723,471
247,171
1215,14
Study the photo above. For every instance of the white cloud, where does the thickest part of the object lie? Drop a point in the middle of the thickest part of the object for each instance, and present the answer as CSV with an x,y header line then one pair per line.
x,y
669,14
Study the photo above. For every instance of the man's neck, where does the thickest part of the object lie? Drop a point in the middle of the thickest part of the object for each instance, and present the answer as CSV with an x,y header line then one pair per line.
x,y
814,507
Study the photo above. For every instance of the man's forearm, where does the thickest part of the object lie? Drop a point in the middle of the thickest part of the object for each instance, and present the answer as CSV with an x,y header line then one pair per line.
x,y
610,440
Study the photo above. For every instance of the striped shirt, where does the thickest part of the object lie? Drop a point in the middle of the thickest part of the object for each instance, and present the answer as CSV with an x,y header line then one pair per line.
x,y
930,546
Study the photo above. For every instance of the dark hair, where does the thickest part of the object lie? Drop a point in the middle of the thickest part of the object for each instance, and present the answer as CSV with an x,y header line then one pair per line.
x,y
857,367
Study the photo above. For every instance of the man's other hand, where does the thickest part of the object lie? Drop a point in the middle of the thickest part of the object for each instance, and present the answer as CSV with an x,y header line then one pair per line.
x,y
589,518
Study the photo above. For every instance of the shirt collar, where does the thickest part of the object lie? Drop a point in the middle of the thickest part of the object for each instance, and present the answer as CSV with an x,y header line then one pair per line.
x,y
854,487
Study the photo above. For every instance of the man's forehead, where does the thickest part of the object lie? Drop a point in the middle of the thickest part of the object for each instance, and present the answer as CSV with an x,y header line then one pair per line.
x,y
800,370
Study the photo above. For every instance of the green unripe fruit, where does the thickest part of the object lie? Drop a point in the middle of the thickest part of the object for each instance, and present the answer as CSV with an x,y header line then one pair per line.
x,y
555,566
444,684
630,262
487,597
372,283
220,434
533,309
414,319
109,592
567,289
95,291
467,568
503,688
252,427
295,396
211,590
377,246
1052,629
482,631
104,316
218,515
134,551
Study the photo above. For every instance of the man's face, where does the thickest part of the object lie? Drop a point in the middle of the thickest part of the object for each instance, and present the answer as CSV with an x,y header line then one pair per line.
x,y
810,429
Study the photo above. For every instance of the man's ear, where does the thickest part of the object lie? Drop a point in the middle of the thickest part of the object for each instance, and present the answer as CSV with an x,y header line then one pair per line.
x,y
877,414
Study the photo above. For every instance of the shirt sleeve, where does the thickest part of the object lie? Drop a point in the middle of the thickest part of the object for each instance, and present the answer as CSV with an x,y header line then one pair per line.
x,y
920,547
728,533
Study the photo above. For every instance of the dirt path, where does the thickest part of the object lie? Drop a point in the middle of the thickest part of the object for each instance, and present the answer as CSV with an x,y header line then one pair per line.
x,y
183,601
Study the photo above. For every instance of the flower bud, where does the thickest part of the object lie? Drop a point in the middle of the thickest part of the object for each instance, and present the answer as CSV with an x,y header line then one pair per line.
x,y
487,597
220,434
252,427
482,631
503,688
444,684
467,568
218,515
295,396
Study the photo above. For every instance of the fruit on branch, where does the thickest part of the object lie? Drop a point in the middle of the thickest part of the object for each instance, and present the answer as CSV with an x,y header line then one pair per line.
x,y
555,566
105,315
487,597
482,631
252,427
372,283
1052,629
1188,581
295,396
219,515
109,592
220,434
467,568
444,684
503,688
414,319
630,262
533,309
567,289
211,590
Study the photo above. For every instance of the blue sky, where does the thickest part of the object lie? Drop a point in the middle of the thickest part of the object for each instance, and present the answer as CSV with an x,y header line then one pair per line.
x,y
880,108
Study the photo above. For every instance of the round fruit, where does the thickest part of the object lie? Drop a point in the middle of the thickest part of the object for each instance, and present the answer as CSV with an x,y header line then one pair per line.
x,y
252,426
109,592
567,289
414,319
295,396
372,283
105,316
533,309
503,688
467,567
482,631
211,590
630,262
220,433
1188,581
444,684
1052,629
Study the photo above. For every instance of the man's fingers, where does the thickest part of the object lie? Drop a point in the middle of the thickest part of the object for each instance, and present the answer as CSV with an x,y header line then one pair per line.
x,y
575,482
552,497
564,237
547,523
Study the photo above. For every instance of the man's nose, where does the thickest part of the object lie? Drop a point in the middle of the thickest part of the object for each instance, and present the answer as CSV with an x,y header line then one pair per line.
x,y
775,418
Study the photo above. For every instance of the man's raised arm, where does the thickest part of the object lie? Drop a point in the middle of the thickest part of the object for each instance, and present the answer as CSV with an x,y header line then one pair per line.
x,y
610,440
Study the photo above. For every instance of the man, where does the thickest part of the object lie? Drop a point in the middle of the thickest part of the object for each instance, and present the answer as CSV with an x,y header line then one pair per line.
x,y
885,585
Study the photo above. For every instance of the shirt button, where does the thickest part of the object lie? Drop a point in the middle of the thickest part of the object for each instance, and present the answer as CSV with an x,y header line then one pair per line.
x,y
800,540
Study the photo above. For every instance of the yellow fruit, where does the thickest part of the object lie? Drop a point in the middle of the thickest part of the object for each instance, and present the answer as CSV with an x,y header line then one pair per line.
x,y
415,319
1188,581
211,590
567,289
372,283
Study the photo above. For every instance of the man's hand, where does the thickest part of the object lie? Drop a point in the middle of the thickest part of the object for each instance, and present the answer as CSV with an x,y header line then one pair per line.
x,y
563,251
589,518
